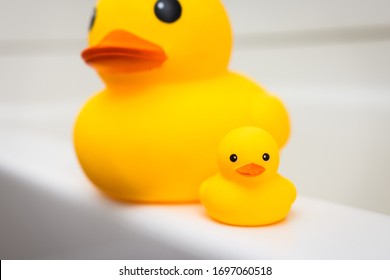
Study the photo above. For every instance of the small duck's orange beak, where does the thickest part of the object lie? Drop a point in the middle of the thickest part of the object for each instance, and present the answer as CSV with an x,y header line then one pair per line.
x,y
250,170
124,52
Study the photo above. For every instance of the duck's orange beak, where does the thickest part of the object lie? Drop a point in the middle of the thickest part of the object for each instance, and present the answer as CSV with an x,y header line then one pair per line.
x,y
123,52
250,170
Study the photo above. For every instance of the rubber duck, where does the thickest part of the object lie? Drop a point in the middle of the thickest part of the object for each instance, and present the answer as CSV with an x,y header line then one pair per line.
x,y
248,191
169,98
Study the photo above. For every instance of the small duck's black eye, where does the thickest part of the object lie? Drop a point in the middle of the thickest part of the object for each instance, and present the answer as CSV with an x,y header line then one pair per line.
x,y
233,158
266,157
93,19
168,11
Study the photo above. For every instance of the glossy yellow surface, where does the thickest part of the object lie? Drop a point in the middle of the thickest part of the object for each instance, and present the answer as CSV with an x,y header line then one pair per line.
x,y
255,198
151,136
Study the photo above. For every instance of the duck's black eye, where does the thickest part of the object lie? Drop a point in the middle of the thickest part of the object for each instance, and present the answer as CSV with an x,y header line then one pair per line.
x,y
93,19
233,158
266,157
168,11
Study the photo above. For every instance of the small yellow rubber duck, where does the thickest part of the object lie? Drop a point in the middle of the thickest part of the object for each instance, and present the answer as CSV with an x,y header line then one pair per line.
x,y
248,191
169,99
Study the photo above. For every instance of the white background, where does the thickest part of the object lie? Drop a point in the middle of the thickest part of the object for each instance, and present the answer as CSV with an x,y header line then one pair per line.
x,y
303,270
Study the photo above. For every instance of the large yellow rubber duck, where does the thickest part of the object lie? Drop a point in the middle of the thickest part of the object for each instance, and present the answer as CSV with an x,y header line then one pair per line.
x,y
248,191
151,134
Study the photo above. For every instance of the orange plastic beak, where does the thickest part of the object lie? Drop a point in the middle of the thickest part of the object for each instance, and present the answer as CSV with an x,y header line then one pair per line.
x,y
121,51
250,170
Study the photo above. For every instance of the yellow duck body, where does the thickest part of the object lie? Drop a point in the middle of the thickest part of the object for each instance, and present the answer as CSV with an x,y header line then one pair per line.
x,y
151,135
247,191
159,145
236,204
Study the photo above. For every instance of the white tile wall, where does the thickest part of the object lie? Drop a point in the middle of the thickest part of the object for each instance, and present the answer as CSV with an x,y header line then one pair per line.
x,y
44,19
329,60
60,19
280,15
